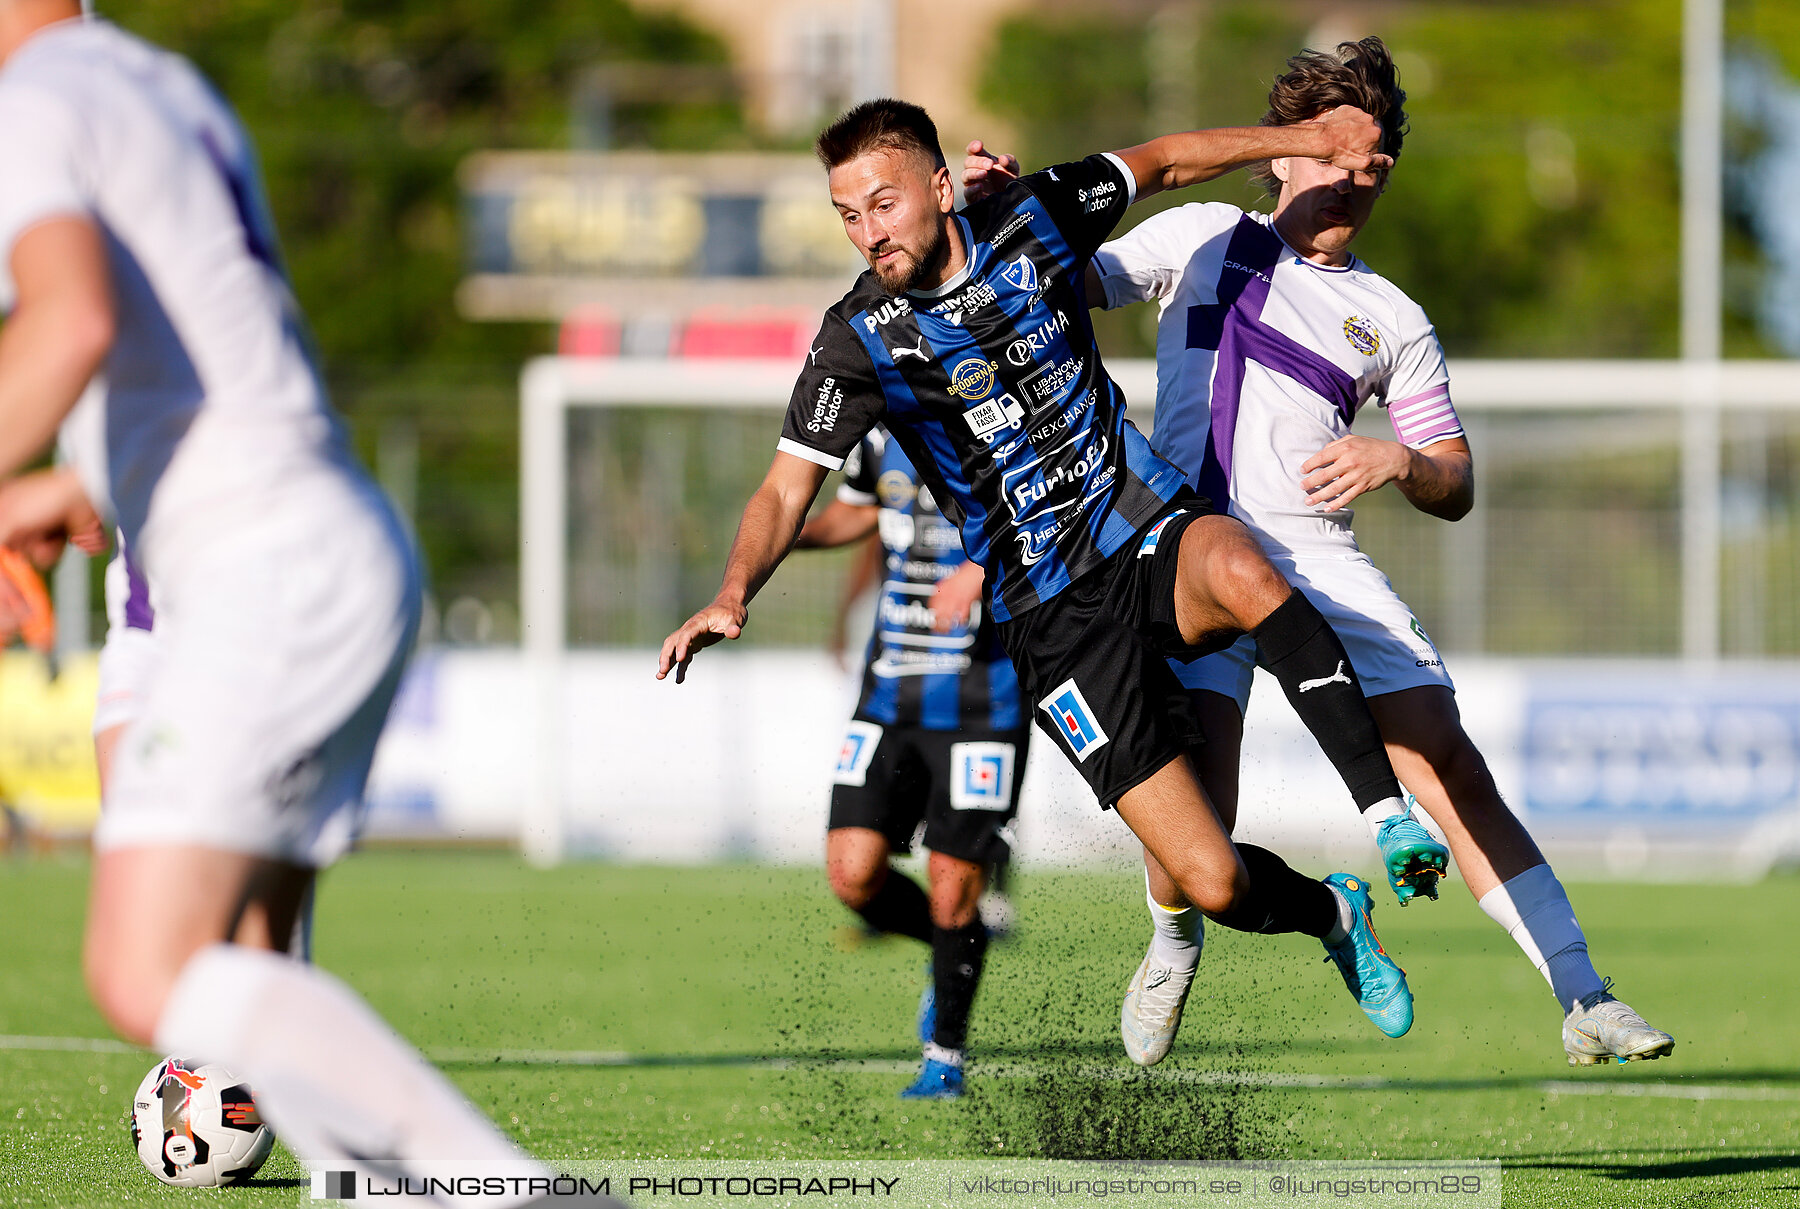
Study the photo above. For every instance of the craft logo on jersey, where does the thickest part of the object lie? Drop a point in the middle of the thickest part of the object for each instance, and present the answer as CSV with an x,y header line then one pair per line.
x,y
1152,538
986,419
860,741
981,776
1021,275
1073,720
1363,336
973,379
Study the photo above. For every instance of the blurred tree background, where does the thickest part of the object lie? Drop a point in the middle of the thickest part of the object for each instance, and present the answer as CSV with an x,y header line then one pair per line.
x,y
361,110
1533,213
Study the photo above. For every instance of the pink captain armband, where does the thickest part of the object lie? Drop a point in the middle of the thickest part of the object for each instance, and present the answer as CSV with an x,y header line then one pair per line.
x,y
1425,418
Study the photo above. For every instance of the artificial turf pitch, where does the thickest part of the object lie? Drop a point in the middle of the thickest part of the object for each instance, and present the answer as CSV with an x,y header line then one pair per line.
x,y
605,1012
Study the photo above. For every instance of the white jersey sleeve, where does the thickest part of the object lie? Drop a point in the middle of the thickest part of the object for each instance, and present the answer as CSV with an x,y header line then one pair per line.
x,y
39,132
1147,262
1417,391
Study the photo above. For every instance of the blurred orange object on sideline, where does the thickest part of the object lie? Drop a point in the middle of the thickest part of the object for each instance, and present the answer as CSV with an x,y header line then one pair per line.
x,y
37,625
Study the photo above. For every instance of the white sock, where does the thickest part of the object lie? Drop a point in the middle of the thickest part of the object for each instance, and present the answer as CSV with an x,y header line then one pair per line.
x,y
1535,910
327,1072
1381,812
949,1057
1179,934
1346,916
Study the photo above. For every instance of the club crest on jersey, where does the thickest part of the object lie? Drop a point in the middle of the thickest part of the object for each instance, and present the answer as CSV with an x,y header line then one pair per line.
x,y
1363,335
987,418
1021,275
860,742
973,379
1152,538
1074,721
981,776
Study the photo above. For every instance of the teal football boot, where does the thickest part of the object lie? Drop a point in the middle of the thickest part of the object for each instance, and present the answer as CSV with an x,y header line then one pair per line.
x,y
1378,984
1415,861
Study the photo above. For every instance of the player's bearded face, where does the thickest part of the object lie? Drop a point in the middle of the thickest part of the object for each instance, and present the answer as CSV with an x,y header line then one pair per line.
x,y
894,207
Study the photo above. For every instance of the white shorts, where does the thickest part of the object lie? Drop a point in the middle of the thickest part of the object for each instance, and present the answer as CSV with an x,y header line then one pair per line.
x,y
126,658
276,653
1386,644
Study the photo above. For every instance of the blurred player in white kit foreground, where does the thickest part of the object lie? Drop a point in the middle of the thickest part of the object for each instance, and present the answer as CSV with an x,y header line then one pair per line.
x,y
135,246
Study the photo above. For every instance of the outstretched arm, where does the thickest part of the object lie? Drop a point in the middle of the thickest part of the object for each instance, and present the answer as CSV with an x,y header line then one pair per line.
x,y
1438,480
1346,136
766,533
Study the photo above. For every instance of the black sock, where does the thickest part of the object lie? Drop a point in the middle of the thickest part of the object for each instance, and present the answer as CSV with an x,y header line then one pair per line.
x,y
956,958
1280,899
1304,654
899,907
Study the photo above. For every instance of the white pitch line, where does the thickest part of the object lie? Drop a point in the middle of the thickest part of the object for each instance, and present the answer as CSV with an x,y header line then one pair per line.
x,y
88,1045
1005,1070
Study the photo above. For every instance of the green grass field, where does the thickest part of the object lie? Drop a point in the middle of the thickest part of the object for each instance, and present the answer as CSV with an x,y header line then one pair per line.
x,y
742,1030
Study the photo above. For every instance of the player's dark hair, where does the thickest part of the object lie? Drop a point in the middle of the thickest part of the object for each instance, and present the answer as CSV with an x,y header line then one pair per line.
x,y
881,124
1356,73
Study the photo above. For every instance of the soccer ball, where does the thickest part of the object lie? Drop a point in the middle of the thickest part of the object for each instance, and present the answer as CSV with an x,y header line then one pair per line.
x,y
196,1126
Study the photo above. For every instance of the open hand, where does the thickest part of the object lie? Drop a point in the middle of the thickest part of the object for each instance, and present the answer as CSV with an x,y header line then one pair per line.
x,y
715,623
1355,139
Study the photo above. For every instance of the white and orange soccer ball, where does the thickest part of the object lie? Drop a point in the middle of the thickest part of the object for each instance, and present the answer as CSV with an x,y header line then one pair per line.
x,y
196,1125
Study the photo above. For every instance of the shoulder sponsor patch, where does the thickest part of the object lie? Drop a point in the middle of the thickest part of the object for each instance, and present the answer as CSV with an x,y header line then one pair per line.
x,y
981,776
1074,721
860,741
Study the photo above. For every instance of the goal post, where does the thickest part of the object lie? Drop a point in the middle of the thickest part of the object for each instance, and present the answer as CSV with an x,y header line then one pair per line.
x,y
1685,402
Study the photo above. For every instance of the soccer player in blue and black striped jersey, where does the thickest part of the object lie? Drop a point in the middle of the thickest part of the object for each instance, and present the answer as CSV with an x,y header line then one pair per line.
x,y
968,338
939,736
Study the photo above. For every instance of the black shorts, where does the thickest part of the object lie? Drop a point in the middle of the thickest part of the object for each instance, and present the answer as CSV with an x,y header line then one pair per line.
x,y
1093,660
963,784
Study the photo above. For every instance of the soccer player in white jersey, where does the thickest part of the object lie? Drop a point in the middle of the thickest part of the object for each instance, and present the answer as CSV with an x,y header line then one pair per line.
x,y
1272,335
135,245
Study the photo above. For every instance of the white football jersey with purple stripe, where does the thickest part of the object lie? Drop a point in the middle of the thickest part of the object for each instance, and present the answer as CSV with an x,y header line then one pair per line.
x,y
1263,358
211,403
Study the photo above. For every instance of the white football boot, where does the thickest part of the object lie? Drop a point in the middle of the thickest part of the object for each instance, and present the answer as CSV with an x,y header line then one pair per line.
x,y
1601,1028
1151,1014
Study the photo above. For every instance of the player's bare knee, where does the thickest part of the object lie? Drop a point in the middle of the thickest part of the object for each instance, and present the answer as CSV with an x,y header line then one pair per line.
x,y
1215,891
855,883
1247,584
